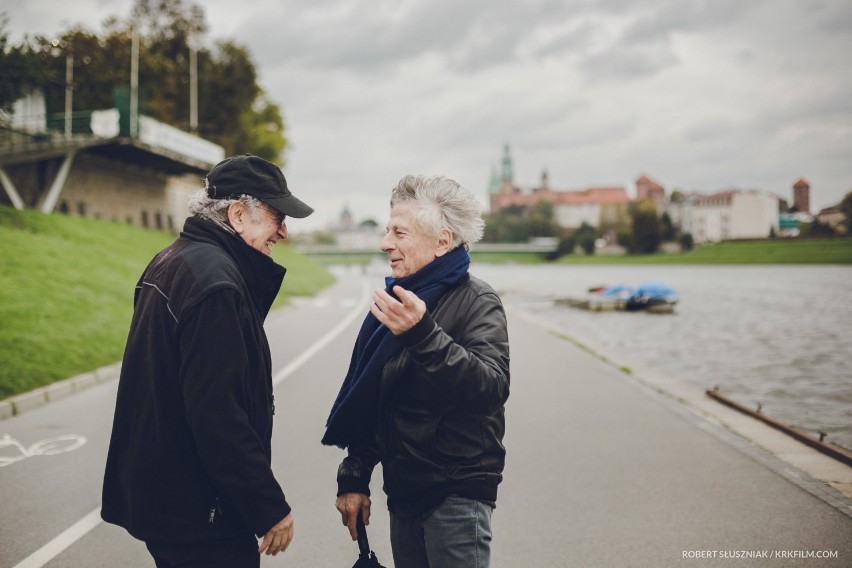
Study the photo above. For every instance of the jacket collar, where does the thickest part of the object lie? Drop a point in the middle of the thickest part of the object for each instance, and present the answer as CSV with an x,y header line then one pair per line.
x,y
263,275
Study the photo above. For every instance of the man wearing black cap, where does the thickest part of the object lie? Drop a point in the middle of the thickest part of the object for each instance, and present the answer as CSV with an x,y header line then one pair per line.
x,y
188,469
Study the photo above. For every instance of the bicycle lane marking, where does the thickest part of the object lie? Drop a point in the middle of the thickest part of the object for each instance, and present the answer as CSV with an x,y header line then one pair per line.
x,y
47,447
82,527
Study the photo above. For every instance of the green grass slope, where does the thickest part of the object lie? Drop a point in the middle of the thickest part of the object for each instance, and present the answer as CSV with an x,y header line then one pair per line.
x,y
66,292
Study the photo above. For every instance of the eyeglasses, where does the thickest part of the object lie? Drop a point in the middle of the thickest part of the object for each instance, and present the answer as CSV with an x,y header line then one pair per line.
x,y
280,218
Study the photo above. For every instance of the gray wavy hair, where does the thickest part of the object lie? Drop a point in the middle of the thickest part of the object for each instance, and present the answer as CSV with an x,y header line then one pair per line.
x,y
216,210
442,204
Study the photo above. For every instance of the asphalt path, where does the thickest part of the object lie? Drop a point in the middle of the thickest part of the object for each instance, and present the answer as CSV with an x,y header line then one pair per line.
x,y
601,471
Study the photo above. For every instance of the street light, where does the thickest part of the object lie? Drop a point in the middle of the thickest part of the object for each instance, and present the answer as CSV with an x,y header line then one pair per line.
x,y
69,83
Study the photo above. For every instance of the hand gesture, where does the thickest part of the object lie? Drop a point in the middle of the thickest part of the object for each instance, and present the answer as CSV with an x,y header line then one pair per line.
x,y
398,316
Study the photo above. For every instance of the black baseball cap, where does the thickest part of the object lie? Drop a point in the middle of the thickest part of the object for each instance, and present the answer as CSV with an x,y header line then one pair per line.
x,y
251,175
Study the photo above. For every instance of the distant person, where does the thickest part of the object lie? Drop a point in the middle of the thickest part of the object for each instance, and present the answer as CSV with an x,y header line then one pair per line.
x,y
188,469
426,386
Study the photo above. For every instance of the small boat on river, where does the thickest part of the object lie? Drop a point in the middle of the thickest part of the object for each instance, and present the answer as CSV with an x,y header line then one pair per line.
x,y
652,296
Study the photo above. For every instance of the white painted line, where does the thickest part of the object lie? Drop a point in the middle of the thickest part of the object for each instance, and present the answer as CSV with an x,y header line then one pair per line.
x,y
65,539
360,310
79,529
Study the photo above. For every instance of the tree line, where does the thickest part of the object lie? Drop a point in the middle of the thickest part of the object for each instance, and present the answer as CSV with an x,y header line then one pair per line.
x,y
233,110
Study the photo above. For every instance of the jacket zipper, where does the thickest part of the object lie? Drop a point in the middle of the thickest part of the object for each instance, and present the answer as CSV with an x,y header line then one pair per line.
x,y
217,508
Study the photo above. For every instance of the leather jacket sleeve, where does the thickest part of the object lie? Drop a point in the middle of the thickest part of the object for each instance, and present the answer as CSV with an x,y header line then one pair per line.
x,y
355,471
473,369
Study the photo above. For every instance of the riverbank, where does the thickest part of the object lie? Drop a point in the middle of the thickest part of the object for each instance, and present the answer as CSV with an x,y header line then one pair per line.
x,y
825,470
768,335
769,251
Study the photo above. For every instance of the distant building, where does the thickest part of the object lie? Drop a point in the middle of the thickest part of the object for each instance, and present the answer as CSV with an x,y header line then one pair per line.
x,y
91,165
647,188
733,214
802,196
349,236
600,207
835,218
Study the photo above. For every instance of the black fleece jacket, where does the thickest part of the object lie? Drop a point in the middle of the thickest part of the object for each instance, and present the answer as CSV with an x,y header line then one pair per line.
x,y
190,453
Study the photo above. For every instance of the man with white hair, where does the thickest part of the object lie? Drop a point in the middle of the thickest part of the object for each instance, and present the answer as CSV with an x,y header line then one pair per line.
x,y
426,386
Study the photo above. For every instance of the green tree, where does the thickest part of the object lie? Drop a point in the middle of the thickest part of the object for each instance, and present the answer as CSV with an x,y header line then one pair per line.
x,y
585,237
233,111
846,207
566,245
647,229
541,220
262,130
669,232
20,69
508,225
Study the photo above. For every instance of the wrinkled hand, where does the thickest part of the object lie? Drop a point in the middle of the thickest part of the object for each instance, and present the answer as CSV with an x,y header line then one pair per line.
x,y
278,538
397,316
349,504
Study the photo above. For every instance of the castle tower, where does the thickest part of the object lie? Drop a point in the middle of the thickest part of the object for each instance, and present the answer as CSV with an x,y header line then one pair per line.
x,y
507,184
802,196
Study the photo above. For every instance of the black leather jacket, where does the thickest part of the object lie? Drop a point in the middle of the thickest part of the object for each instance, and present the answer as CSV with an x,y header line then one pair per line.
x,y
441,407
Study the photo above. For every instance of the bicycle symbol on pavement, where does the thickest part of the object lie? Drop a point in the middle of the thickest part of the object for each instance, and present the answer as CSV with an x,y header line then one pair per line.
x,y
12,451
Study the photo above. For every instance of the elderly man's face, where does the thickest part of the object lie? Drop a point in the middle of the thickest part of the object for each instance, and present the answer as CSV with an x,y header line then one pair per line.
x,y
261,231
407,248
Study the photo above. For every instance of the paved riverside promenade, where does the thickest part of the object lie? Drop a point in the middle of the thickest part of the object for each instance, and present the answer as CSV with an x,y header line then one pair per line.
x,y
602,470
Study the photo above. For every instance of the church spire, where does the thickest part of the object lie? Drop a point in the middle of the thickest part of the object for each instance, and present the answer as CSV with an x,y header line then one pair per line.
x,y
507,164
507,183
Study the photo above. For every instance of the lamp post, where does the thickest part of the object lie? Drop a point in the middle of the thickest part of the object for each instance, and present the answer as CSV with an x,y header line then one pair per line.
x,y
69,84
193,86
69,91
134,84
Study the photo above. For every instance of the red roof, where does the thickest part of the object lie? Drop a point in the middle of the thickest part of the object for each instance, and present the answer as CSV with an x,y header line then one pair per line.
x,y
591,196
719,198
649,183
801,182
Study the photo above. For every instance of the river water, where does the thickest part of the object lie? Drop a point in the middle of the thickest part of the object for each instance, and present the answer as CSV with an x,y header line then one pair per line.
x,y
778,336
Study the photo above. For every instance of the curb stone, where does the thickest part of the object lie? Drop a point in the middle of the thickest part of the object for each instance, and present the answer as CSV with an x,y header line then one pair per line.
x,y
17,405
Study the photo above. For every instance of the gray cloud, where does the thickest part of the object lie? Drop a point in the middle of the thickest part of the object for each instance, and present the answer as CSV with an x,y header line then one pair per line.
x,y
703,94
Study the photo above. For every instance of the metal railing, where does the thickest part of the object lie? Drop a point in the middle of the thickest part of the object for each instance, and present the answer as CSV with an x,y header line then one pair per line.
x,y
46,131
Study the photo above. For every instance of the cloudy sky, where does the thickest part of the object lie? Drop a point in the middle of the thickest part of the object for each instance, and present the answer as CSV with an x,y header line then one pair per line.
x,y
699,95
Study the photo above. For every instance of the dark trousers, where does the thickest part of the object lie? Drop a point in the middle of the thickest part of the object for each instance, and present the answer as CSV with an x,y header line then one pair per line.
x,y
241,553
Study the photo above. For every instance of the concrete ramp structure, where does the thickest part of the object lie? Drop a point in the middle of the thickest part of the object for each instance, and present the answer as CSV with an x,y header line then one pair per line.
x,y
94,166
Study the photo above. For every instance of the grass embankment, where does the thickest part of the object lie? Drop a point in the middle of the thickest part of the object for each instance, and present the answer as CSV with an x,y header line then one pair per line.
x,y
66,292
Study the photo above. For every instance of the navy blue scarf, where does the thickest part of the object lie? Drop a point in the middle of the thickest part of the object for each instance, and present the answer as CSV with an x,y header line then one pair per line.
x,y
353,414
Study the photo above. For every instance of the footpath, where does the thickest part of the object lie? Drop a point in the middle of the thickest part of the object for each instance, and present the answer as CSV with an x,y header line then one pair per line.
x,y
604,469
610,469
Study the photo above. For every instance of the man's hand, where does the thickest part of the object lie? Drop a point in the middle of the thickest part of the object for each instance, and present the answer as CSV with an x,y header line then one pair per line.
x,y
349,504
397,316
278,538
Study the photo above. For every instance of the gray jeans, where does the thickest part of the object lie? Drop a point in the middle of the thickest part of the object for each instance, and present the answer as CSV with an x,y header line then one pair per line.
x,y
455,535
